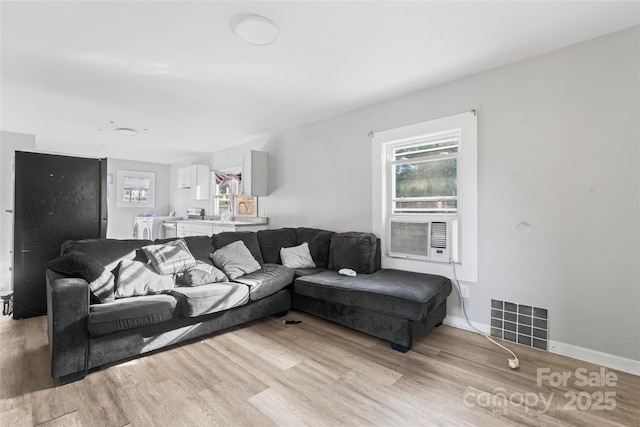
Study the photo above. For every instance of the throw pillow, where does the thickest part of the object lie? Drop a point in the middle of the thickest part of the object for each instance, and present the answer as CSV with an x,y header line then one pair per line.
x,y
136,279
235,260
201,274
170,258
250,239
297,256
76,264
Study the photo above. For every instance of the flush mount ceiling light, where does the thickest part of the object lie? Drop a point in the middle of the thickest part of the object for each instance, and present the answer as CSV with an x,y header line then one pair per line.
x,y
255,29
127,131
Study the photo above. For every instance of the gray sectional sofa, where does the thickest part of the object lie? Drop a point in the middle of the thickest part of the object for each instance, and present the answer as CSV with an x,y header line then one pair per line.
x,y
89,328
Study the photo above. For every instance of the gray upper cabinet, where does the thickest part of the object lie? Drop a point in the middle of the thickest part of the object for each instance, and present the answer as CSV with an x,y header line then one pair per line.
x,y
254,174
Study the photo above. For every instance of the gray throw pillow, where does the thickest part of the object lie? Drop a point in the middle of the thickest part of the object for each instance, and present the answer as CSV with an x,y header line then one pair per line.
x,y
76,264
201,274
235,260
136,279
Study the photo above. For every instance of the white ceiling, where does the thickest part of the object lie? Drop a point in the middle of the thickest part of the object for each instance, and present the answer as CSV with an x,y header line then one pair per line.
x,y
73,71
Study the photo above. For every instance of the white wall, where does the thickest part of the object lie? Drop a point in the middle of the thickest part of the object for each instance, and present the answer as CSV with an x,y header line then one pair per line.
x,y
9,143
558,148
120,220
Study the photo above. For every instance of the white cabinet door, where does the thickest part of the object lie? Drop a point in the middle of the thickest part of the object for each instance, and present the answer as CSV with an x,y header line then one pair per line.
x,y
254,174
184,177
200,178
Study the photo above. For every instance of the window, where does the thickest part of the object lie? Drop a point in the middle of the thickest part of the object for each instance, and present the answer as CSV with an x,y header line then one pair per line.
x,y
425,195
223,199
135,189
424,175
226,200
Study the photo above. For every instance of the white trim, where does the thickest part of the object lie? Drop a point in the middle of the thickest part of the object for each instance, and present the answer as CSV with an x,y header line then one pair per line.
x,y
597,357
461,323
587,355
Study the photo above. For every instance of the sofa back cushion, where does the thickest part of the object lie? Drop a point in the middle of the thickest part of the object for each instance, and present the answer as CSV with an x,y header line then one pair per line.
x,y
357,251
250,239
271,241
108,251
319,244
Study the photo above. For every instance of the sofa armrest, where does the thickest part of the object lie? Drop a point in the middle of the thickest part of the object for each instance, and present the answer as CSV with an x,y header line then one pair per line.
x,y
67,322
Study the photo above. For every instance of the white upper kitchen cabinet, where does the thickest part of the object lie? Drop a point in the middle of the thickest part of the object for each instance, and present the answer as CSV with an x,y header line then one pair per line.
x,y
200,179
254,174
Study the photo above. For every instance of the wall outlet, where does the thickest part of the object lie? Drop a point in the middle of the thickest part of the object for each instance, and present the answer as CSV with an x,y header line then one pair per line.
x,y
263,212
464,291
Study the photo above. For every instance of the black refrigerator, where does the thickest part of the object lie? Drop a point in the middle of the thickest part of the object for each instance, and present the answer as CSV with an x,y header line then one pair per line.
x,y
56,198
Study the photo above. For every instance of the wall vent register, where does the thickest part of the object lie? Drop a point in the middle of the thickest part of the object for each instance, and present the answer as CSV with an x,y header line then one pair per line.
x,y
519,323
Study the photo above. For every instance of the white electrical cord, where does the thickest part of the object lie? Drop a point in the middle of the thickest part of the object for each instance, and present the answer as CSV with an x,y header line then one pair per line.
x,y
513,363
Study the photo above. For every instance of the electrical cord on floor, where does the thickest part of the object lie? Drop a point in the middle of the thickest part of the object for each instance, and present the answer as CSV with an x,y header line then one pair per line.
x,y
513,363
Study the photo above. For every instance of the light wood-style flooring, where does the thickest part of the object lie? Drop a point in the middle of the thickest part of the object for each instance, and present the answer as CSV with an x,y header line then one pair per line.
x,y
311,374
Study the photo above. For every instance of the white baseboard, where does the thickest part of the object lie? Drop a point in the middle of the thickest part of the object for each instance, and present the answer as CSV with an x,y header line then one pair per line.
x,y
461,323
592,356
599,358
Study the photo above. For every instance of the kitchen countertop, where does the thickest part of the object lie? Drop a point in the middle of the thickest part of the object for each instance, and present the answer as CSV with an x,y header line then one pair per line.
x,y
220,223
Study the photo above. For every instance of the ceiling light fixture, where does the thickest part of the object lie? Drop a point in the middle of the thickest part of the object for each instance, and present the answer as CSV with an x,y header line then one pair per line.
x,y
255,29
127,131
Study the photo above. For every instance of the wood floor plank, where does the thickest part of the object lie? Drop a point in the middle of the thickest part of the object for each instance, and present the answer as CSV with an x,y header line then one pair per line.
x,y
315,373
17,417
14,390
54,402
97,404
69,420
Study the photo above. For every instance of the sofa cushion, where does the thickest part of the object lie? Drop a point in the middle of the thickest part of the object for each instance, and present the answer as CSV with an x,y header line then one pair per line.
x,y
201,274
250,239
353,250
398,293
199,246
130,313
210,298
108,252
170,258
136,279
235,260
76,264
297,256
319,243
272,240
308,271
267,281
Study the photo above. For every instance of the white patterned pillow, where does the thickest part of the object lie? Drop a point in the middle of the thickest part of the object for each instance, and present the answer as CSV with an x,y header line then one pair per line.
x,y
297,256
136,279
170,258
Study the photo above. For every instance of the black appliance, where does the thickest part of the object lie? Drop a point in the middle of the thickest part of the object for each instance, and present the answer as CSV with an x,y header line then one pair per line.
x,y
57,198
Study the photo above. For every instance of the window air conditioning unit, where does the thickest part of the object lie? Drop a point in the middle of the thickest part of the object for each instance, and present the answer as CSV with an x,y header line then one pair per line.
x,y
433,240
